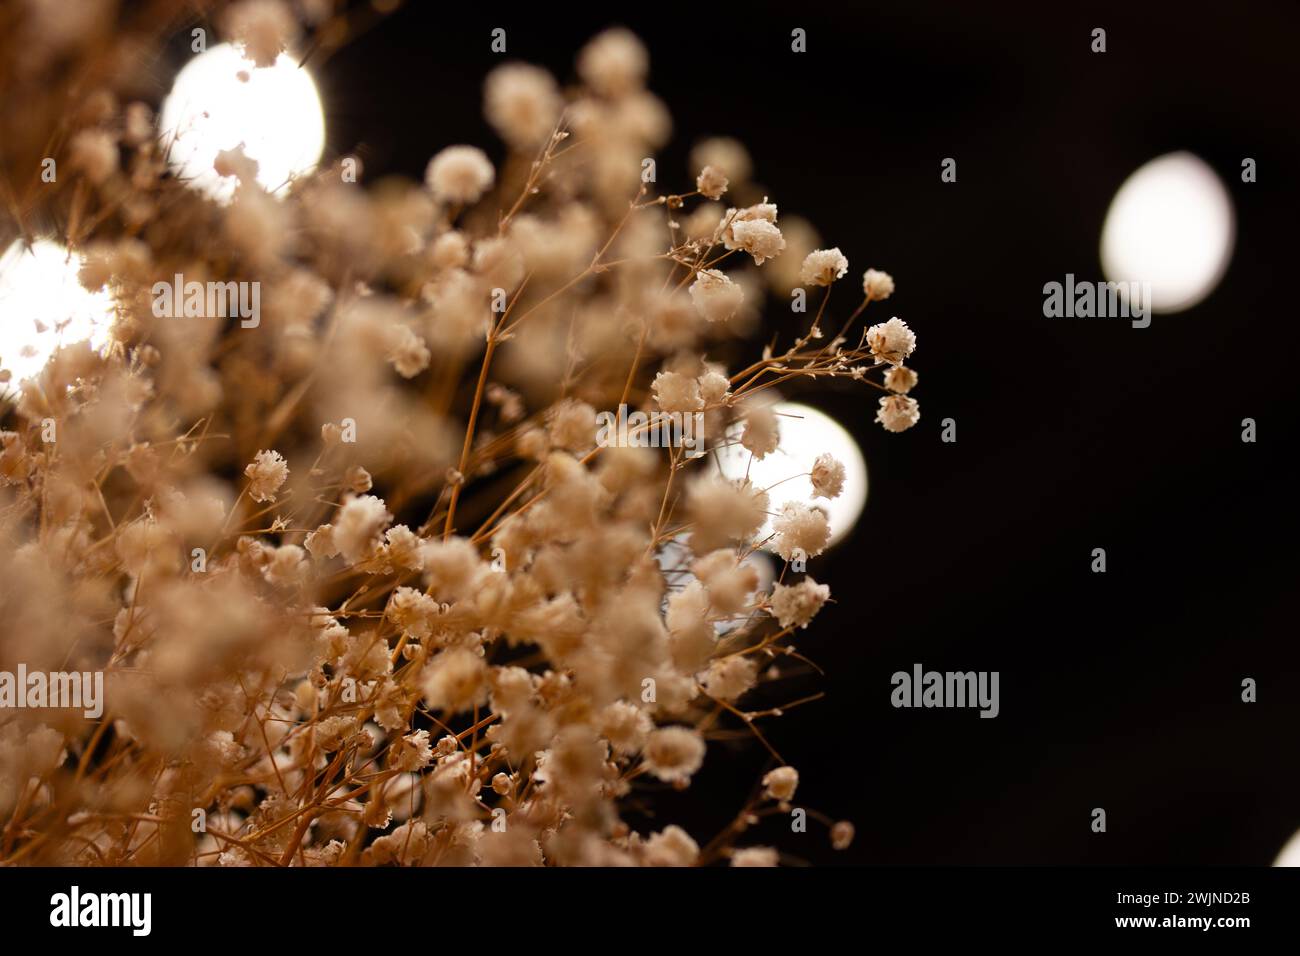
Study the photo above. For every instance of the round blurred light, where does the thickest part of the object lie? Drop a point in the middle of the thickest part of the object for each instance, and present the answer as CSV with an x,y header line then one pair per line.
x,y
43,305
221,99
1171,224
805,434
1290,855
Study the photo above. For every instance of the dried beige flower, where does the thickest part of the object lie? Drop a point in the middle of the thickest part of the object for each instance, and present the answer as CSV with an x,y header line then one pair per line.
x,y
459,174
723,512
795,605
898,413
891,341
711,182
357,527
801,531
877,285
781,783
266,473
827,476
522,103
673,754
677,392
455,680
754,856
900,379
94,153
759,237
823,266
729,677
614,63
842,835
725,154
715,295
672,846
265,28
762,433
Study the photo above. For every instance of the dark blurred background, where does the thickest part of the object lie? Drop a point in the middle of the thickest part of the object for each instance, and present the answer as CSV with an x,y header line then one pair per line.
x,y
1119,690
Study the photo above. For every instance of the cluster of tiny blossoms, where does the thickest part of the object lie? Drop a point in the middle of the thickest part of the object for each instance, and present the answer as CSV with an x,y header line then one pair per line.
x,y
364,587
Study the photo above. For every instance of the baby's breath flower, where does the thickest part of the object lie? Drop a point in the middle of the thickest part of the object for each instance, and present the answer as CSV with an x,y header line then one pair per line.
x,y
320,543
711,182
402,547
357,480
800,530
94,153
499,262
408,353
614,63
703,221
823,266
671,846
781,783
265,28
760,238
625,726
572,425
512,689
234,162
14,462
256,225
729,677
452,566
412,752
522,103
455,680
898,413
891,341
762,433
727,155
266,474
450,250
827,476
677,392
841,835
729,580
765,211
877,285
795,605
673,754
754,856
723,512
357,527
459,174
715,296
137,123
900,379
413,611
714,387
287,567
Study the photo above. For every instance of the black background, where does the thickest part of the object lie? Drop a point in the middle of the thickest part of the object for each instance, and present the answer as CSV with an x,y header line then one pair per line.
x,y
1118,690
